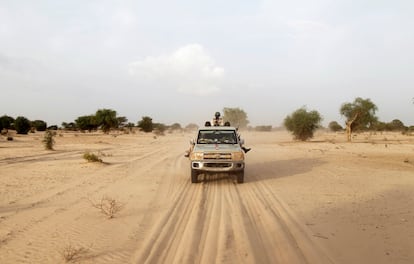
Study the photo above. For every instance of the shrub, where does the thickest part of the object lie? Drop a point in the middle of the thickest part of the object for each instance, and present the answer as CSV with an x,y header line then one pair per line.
x,y
22,125
302,123
48,140
71,253
91,157
108,206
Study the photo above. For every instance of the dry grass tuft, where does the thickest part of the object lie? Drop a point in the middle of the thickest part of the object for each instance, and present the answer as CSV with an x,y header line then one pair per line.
x,y
72,253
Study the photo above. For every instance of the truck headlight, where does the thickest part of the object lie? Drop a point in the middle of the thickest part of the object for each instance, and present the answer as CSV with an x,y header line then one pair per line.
x,y
197,156
237,156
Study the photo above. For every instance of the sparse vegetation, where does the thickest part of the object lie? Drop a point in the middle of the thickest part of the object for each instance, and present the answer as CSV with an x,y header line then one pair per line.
x,y
176,126
302,123
191,127
335,127
108,206
263,128
159,129
91,157
48,140
71,253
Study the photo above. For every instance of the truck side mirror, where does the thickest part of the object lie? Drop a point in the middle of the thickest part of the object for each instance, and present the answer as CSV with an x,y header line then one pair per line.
x,y
192,142
242,141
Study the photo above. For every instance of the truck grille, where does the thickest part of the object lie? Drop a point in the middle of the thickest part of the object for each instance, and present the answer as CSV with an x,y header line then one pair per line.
x,y
217,165
217,156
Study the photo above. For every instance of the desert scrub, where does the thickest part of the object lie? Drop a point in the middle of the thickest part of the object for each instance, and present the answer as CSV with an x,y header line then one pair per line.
x,y
48,140
107,206
72,253
91,157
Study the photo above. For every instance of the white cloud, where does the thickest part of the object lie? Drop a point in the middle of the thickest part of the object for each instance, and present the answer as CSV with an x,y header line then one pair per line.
x,y
188,70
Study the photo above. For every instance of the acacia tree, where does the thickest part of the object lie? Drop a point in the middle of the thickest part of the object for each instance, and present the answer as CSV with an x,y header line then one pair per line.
x,y
360,115
122,121
106,118
236,116
302,123
87,122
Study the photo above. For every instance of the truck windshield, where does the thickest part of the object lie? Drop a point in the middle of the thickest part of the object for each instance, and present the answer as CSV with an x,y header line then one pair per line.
x,y
217,137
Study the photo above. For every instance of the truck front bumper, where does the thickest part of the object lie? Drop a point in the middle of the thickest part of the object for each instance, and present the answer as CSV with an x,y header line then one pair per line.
x,y
217,166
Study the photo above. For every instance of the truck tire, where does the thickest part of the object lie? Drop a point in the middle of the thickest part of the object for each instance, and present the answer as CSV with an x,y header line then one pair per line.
x,y
240,176
194,176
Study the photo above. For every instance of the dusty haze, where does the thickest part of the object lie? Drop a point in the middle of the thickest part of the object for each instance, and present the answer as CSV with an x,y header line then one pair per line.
x,y
324,201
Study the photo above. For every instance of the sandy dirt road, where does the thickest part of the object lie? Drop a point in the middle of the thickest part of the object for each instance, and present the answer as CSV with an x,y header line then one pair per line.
x,y
46,204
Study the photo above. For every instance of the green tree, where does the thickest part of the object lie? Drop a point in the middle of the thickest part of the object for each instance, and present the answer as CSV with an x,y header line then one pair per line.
x,y
397,125
87,122
236,116
360,115
302,123
6,122
146,124
335,127
122,121
39,125
22,125
106,119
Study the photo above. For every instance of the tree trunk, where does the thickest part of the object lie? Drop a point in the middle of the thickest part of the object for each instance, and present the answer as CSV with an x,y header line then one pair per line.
x,y
348,131
348,127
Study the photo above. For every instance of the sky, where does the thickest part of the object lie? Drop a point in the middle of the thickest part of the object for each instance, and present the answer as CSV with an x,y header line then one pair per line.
x,y
181,61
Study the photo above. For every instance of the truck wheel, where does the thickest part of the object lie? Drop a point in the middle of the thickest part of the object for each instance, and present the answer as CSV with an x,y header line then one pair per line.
x,y
194,176
240,176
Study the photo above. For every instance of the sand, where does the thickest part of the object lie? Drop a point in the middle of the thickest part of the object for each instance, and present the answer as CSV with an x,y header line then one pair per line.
x,y
323,201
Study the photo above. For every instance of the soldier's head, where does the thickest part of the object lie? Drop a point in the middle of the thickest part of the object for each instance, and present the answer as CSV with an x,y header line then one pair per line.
x,y
217,115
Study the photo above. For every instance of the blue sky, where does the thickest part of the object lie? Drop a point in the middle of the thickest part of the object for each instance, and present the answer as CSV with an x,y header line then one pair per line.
x,y
181,61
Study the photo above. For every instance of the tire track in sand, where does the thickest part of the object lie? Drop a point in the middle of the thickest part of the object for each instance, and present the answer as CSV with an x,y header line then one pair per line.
x,y
220,222
50,225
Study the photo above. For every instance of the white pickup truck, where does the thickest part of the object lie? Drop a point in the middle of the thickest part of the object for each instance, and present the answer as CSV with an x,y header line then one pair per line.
x,y
217,149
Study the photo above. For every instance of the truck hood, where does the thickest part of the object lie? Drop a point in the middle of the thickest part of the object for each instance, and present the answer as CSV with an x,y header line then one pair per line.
x,y
217,147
